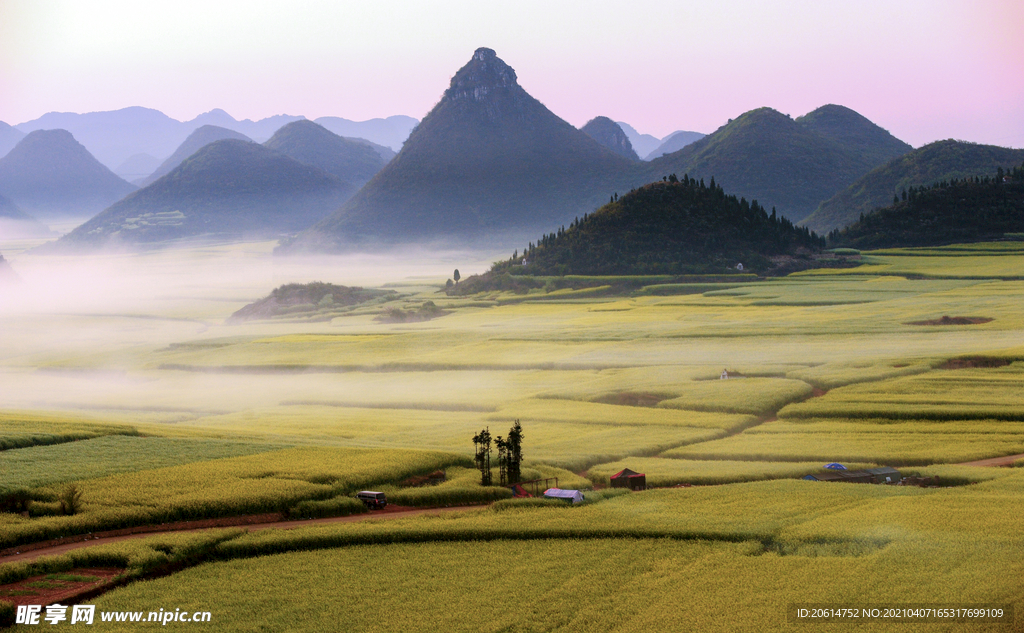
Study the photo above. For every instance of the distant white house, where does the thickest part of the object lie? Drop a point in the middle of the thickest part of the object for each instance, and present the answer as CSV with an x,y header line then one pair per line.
x,y
725,374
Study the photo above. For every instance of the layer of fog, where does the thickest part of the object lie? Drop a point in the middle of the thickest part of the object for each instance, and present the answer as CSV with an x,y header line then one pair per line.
x,y
207,280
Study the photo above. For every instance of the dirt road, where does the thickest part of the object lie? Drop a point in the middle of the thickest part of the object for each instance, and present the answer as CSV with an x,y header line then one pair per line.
x,y
99,539
995,461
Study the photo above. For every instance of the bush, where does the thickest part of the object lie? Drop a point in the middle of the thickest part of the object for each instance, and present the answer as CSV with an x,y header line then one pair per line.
x,y
70,499
335,507
7,613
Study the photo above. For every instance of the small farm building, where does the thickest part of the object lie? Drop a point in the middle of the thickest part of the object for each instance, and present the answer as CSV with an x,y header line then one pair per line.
x,y
849,476
827,476
569,496
884,475
627,478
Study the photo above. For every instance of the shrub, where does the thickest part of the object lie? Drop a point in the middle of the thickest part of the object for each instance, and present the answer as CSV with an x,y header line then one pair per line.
x,y
335,507
70,499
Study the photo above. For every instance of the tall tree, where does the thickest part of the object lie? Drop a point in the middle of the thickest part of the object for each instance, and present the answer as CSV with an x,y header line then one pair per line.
x,y
482,443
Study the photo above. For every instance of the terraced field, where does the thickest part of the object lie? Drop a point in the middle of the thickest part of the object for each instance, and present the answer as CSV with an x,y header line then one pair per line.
x,y
163,411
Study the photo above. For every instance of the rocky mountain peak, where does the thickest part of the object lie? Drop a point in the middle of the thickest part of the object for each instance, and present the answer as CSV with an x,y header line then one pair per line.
x,y
484,74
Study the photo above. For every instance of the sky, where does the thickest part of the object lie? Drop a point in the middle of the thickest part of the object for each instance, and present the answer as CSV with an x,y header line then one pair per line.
x,y
923,69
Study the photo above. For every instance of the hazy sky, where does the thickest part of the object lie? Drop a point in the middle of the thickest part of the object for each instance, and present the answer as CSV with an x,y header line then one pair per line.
x,y
923,69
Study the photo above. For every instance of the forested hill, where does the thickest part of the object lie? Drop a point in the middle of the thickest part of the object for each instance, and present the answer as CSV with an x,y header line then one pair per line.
x,y
950,212
673,227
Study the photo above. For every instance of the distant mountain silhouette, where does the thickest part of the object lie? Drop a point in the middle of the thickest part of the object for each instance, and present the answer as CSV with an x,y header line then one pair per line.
x,y
610,135
347,160
643,144
137,167
9,137
198,139
935,162
390,132
673,143
956,211
50,175
488,159
792,166
115,136
229,188
112,137
258,131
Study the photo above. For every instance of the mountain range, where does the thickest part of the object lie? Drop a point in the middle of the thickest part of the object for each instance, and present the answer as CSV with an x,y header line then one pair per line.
x,y
199,138
488,159
390,132
349,160
50,175
228,189
649,147
673,143
791,165
116,136
935,162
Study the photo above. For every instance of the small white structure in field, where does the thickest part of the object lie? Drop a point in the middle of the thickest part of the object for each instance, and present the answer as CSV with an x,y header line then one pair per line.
x,y
570,496
725,374
739,266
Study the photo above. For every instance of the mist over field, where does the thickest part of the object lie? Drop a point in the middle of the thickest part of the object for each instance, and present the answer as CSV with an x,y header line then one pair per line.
x,y
649,318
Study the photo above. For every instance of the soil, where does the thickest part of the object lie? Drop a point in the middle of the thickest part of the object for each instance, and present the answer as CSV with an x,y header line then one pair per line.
x,y
975,361
253,522
956,320
1006,460
42,590
632,399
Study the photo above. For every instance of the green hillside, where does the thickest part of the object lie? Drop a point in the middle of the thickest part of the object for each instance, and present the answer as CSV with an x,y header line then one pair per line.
x,y
950,212
786,164
670,227
348,160
50,174
228,188
610,135
199,138
854,132
935,162
488,159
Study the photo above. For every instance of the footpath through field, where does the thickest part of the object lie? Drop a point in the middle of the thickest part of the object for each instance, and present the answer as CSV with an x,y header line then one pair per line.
x,y
61,546
1006,460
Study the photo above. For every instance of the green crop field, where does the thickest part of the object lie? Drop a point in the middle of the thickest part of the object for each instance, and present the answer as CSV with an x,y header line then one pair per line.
x,y
157,409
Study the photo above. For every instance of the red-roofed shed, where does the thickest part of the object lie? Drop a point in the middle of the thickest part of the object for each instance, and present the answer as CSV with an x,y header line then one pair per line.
x,y
627,478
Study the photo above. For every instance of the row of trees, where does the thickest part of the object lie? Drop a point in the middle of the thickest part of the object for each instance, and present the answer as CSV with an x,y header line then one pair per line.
x,y
510,455
951,211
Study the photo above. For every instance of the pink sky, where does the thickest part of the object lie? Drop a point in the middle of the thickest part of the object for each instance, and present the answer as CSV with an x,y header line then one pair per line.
x,y
923,69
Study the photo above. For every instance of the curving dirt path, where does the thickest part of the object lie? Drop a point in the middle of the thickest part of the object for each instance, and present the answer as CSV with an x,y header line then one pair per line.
x,y
1006,460
276,523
